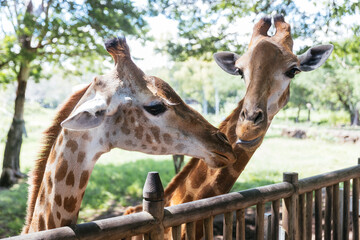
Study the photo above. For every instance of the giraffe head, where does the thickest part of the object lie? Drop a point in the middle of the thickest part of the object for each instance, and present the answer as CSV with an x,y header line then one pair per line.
x,y
267,68
130,110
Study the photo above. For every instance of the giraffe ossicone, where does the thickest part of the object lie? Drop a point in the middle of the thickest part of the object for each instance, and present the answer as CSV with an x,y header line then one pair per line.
x,y
267,68
122,109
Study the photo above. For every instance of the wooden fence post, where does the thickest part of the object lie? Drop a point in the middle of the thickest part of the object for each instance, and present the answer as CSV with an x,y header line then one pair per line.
x,y
290,217
153,203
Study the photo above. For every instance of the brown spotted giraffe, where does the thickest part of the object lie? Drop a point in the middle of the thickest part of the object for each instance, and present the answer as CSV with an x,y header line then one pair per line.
x,y
267,69
124,109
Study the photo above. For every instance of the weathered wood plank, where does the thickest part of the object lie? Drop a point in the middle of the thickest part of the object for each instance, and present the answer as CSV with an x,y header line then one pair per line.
x,y
302,217
275,219
289,208
267,226
240,224
209,228
328,212
201,209
328,179
336,213
355,208
190,231
346,211
259,221
176,232
228,226
309,214
318,214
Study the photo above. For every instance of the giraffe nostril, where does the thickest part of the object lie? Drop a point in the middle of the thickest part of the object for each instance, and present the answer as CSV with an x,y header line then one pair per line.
x,y
242,115
259,118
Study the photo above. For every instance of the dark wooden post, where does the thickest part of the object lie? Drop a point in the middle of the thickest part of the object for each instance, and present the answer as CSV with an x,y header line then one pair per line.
x,y
290,224
275,219
153,203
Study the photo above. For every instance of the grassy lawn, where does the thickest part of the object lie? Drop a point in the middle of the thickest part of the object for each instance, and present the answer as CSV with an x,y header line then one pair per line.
x,y
118,176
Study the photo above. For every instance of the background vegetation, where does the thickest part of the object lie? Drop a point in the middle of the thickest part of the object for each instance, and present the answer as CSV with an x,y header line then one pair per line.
x,y
63,49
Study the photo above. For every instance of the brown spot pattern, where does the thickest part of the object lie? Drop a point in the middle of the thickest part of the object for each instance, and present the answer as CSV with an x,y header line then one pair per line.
x,y
41,223
86,137
51,222
58,200
148,138
128,142
58,215
60,140
70,203
139,132
49,182
200,177
84,179
73,145
81,157
66,222
61,170
118,119
125,128
167,139
107,134
180,147
154,148
97,155
70,179
163,150
52,156
187,198
156,132
101,141
206,192
42,194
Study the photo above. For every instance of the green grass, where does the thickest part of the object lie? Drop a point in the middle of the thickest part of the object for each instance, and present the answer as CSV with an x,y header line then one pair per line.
x,y
119,175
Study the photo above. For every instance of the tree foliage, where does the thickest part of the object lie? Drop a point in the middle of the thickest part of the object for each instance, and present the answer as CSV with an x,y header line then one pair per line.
x,y
56,30
204,26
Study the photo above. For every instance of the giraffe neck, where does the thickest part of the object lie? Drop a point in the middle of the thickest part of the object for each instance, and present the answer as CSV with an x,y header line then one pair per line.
x,y
66,175
198,181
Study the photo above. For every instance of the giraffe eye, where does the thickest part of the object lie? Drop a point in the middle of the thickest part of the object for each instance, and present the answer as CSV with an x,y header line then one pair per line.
x,y
155,108
292,72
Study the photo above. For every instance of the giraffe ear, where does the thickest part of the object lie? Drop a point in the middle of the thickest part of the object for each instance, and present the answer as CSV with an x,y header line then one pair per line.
x,y
226,60
315,57
89,114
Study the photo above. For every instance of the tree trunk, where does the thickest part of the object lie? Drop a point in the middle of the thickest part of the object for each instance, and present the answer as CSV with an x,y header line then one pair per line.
x,y
298,115
11,164
217,102
178,161
355,118
205,103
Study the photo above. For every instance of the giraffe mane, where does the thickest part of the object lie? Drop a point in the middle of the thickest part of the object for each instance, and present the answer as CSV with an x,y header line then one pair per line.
x,y
49,138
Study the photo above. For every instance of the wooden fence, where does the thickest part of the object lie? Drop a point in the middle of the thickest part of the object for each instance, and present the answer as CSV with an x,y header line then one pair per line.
x,y
302,205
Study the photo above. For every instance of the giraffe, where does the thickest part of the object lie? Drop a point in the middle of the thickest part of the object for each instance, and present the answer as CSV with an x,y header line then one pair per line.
x,y
267,68
124,109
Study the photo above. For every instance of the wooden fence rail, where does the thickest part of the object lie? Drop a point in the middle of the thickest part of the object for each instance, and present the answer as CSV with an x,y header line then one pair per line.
x,y
302,208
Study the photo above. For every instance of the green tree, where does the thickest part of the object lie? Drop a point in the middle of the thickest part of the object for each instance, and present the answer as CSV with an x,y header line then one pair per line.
x,y
204,25
34,36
